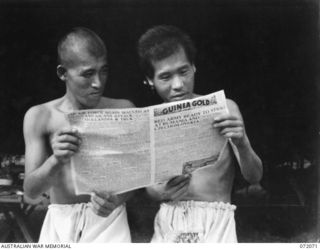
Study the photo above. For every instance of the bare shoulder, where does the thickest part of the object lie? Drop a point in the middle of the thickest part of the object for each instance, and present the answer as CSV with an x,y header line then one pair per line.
x,y
41,110
233,107
37,116
116,103
35,112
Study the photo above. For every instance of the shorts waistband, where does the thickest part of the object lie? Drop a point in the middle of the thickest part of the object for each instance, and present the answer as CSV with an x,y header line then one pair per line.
x,y
83,204
201,204
56,205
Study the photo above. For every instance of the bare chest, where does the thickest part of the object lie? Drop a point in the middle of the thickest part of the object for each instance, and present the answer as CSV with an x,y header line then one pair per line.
x,y
56,122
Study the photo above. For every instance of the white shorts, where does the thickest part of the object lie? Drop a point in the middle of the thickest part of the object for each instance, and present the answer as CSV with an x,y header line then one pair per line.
x,y
195,221
74,223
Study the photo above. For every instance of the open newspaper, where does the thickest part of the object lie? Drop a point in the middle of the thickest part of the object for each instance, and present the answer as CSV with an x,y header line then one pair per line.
x,y
126,149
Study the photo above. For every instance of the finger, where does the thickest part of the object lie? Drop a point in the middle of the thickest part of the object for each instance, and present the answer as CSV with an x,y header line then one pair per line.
x,y
181,185
171,191
228,123
98,201
68,130
225,116
65,146
69,138
103,195
114,199
233,135
65,137
232,130
178,179
101,211
103,202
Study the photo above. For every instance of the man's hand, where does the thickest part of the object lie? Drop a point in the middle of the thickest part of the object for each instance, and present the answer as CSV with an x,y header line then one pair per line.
x,y
176,188
231,126
65,143
103,205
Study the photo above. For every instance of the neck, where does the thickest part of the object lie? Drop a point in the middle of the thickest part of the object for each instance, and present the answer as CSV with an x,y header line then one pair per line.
x,y
69,103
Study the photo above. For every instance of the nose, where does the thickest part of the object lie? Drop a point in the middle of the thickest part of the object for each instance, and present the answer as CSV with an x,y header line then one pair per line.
x,y
96,83
177,82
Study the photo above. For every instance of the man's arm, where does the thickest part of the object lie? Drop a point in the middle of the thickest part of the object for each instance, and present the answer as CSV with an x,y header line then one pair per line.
x,y
41,169
232,127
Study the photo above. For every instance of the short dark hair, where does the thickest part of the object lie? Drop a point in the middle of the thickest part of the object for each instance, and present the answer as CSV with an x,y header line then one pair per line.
x,y
161,42
92,42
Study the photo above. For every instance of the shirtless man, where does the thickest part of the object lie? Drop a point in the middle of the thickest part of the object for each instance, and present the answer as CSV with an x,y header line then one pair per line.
x,y
196,207
50,142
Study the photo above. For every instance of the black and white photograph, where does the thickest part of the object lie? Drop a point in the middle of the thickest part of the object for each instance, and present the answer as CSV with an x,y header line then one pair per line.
x,y
159,121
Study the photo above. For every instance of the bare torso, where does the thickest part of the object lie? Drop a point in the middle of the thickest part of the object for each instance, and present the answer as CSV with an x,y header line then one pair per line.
x,y
214,182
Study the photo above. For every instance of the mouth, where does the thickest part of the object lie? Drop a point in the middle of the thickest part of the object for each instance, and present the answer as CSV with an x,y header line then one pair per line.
x,y
96,94
178,97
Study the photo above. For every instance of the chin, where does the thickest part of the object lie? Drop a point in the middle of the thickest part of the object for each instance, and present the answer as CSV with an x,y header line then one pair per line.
x,y
90,104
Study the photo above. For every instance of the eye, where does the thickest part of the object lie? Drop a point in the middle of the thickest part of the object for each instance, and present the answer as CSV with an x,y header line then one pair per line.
x,y
184,71
165,77
88,74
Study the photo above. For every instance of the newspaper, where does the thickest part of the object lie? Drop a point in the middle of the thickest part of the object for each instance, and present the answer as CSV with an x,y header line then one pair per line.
x,y
126,149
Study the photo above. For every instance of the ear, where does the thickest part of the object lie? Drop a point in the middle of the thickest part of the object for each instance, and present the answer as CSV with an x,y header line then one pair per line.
x,y
194,68
150,82
61,72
